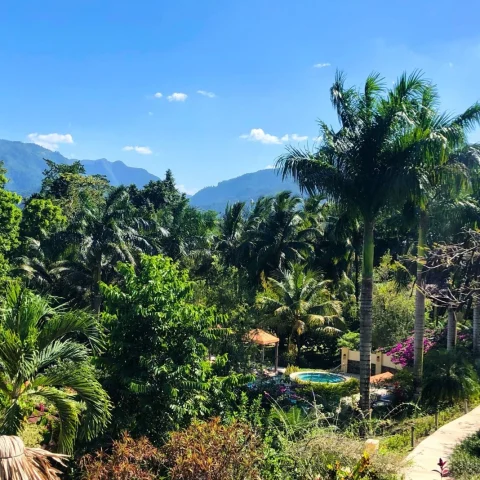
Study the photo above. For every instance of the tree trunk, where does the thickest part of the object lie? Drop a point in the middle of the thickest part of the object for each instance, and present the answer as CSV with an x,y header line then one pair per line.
x,y
451,329
97,278
357,275
476,326
420,304
366,315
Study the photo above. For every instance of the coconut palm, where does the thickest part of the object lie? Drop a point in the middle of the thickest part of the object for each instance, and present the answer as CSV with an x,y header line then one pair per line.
x,y
281,237
101,235
44,358
362,166
298,300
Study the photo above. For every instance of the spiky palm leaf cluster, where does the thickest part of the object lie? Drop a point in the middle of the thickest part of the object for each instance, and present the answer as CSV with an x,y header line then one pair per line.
x,y
44,358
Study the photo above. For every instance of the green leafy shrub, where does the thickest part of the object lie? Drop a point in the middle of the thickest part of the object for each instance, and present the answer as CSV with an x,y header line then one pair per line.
x,y
291,369
350,340
465,459
328,393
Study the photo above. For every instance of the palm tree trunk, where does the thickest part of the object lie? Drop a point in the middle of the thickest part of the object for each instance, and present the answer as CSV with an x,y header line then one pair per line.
x,y
451,329
366,296
97,278
476,326
420,303
357,275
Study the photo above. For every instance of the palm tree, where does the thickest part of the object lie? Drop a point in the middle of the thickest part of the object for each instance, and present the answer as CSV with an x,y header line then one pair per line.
x,y
281,237
440,172
362,167
231,231
44,360
298,300
101,235
449,377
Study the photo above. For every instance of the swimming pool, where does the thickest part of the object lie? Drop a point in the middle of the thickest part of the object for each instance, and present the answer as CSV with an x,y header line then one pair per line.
x,y
317,377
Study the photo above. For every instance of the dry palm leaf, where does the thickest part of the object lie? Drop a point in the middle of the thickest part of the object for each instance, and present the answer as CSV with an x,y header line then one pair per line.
x,y
20,463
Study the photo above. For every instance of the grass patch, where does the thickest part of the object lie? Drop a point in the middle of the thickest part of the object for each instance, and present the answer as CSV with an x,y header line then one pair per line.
x,y
399,440
465,459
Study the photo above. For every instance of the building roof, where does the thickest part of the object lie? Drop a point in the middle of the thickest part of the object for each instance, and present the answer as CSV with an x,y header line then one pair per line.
x,y
261,337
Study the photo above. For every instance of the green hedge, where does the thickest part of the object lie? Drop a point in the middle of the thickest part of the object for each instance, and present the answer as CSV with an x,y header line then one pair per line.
x,y
328,392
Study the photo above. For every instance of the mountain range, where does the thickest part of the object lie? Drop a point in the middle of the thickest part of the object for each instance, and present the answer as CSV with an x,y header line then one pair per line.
x,y
25,165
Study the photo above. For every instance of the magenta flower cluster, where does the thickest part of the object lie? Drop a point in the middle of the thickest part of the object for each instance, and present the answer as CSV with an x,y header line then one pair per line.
x,y
402,353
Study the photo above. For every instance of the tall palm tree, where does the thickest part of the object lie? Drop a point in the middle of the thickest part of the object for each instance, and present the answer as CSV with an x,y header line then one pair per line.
x,y
297,300
44,358
231,231
362,166
100,236
440,172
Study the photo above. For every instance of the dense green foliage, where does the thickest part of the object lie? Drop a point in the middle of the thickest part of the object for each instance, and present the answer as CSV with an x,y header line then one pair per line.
x,y
465,460
125,311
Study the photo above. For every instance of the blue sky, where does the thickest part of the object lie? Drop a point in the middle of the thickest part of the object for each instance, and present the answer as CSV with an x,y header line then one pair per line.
x,y
88,71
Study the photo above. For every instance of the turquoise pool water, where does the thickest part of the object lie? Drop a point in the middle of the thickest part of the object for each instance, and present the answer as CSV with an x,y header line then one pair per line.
x,y
320,377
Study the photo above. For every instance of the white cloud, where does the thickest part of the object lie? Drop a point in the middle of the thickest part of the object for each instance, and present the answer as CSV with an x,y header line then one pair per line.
x,y
141,150
321,65
177,97
269,167
50,140
206,94
158,95
258,135
188,191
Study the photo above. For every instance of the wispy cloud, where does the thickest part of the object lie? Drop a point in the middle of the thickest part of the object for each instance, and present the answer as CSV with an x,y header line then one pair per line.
x,y
50,140
321,65
206,94
294,137
269,167
141,150
158,95
177,97
258,135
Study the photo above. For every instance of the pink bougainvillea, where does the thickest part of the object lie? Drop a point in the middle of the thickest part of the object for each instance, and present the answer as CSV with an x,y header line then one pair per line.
x,y
402,353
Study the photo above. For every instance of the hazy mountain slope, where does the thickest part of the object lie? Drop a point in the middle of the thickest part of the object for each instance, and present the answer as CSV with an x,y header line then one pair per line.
x,y
247,187
25,164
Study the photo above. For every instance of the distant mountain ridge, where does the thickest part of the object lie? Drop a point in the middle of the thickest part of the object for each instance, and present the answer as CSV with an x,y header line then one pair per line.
x,y
246,188
25,164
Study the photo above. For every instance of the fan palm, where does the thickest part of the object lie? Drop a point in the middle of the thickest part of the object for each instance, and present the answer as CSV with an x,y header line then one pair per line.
x,y
363,166
298,300
43,360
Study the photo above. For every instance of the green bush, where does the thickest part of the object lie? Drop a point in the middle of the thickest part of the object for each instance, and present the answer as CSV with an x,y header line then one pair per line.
x,y
328,392
291,369
350,340
465,459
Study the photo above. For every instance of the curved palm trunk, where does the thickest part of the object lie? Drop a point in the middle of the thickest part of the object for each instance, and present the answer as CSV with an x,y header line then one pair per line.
x,y
451,329
476,326
366,296
420,304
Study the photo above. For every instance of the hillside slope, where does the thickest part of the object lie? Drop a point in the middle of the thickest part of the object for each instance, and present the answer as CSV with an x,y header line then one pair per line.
x,y
248,187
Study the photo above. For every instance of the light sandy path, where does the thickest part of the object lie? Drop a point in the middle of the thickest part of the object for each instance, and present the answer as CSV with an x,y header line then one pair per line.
x,y
425,456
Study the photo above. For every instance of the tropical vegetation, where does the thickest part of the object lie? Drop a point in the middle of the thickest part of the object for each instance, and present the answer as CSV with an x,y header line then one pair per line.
x,y
126,314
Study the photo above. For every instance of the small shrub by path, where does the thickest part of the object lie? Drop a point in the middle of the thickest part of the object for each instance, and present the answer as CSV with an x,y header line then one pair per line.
x,y
465,459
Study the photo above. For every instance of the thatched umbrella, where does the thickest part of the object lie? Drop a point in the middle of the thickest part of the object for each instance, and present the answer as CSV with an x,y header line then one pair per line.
x,y
18,462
